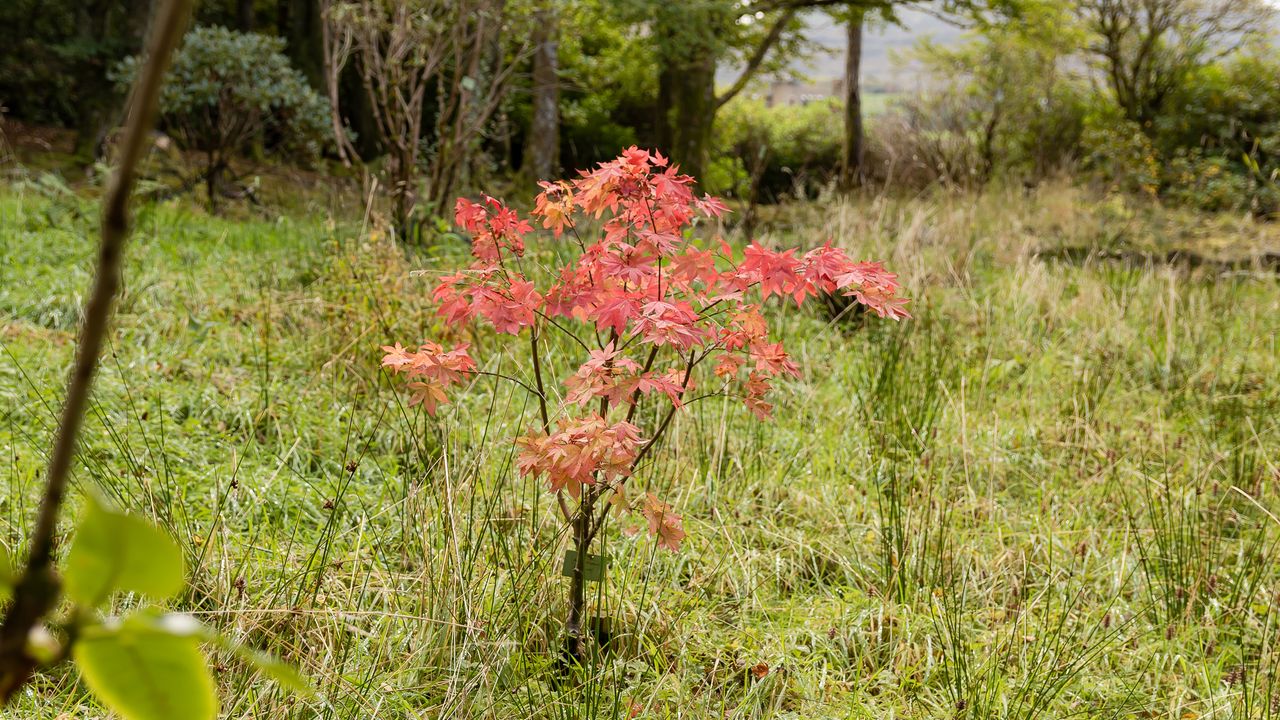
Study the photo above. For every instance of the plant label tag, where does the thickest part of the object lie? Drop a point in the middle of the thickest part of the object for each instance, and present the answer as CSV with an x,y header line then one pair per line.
x,y
592,569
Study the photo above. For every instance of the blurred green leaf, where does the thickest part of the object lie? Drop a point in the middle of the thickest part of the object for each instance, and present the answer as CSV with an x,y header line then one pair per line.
x,y
148,667
114,551
8,576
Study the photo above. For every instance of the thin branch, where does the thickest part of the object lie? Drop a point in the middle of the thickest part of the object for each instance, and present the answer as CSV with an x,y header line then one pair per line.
x,y
757,56
693,361
537,378
542,411
36,593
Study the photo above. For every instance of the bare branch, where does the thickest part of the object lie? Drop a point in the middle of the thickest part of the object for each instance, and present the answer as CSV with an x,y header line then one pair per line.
x,y
757,56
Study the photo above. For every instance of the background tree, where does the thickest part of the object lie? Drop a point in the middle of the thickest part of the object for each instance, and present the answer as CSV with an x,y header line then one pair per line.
x,y
851,162
220,105
1147,48
434,73
691,40
54,58
300,23
854,15
246,15
544,127
1009,92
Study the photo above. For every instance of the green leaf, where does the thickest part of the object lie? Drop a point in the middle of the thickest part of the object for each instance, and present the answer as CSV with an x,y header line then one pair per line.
x,y
114,551
148,668
8,576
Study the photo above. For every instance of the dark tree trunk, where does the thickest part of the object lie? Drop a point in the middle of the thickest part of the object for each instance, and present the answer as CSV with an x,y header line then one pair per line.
x,y
245,19
544,131
215,167
110,35
298,22
357,111
575,642
694,108
852,171
95,98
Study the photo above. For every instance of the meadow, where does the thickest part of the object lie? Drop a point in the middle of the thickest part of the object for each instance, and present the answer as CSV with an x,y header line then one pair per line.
x,y
1053,493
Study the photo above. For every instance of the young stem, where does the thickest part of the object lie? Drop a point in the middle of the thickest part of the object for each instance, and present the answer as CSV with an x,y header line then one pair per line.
x,y
537,379
583,532
578,581
37,591
542,409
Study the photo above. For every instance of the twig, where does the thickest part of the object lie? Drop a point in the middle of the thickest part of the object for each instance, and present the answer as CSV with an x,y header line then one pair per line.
x,y
542,411
36,593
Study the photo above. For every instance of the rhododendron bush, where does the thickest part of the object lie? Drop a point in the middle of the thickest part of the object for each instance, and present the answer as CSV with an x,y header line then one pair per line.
x,y
647,303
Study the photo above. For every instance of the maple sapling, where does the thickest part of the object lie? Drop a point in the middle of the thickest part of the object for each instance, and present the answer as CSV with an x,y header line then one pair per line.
x,y
647,304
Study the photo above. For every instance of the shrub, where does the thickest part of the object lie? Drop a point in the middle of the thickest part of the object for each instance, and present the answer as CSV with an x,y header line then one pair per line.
x,y
923,141
785,151
230,92
647,307
1120,154
1222,136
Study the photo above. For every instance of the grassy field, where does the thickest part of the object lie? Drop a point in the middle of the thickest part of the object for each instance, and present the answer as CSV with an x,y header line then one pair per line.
x,y
1052,494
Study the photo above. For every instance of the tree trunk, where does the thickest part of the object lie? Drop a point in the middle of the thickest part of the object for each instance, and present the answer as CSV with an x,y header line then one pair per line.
x,y
299,23
96,101
245,15
403,192
851,167
357,111
544,131
694,108
575,644
215,166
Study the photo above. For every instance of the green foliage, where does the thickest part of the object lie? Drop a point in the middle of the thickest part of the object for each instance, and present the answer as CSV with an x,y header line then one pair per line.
x,y
53,51
229,91
145,665
114,551
7,575
1120,154
1221,136
148,667
1215,183
1216,147
35,79
800,147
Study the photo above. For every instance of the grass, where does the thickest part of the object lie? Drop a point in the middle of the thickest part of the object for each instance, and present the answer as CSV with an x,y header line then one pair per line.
x,y
1053,494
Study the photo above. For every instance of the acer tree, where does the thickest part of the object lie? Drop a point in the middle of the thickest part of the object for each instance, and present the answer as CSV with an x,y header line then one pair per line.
x,y
543,152
655,314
